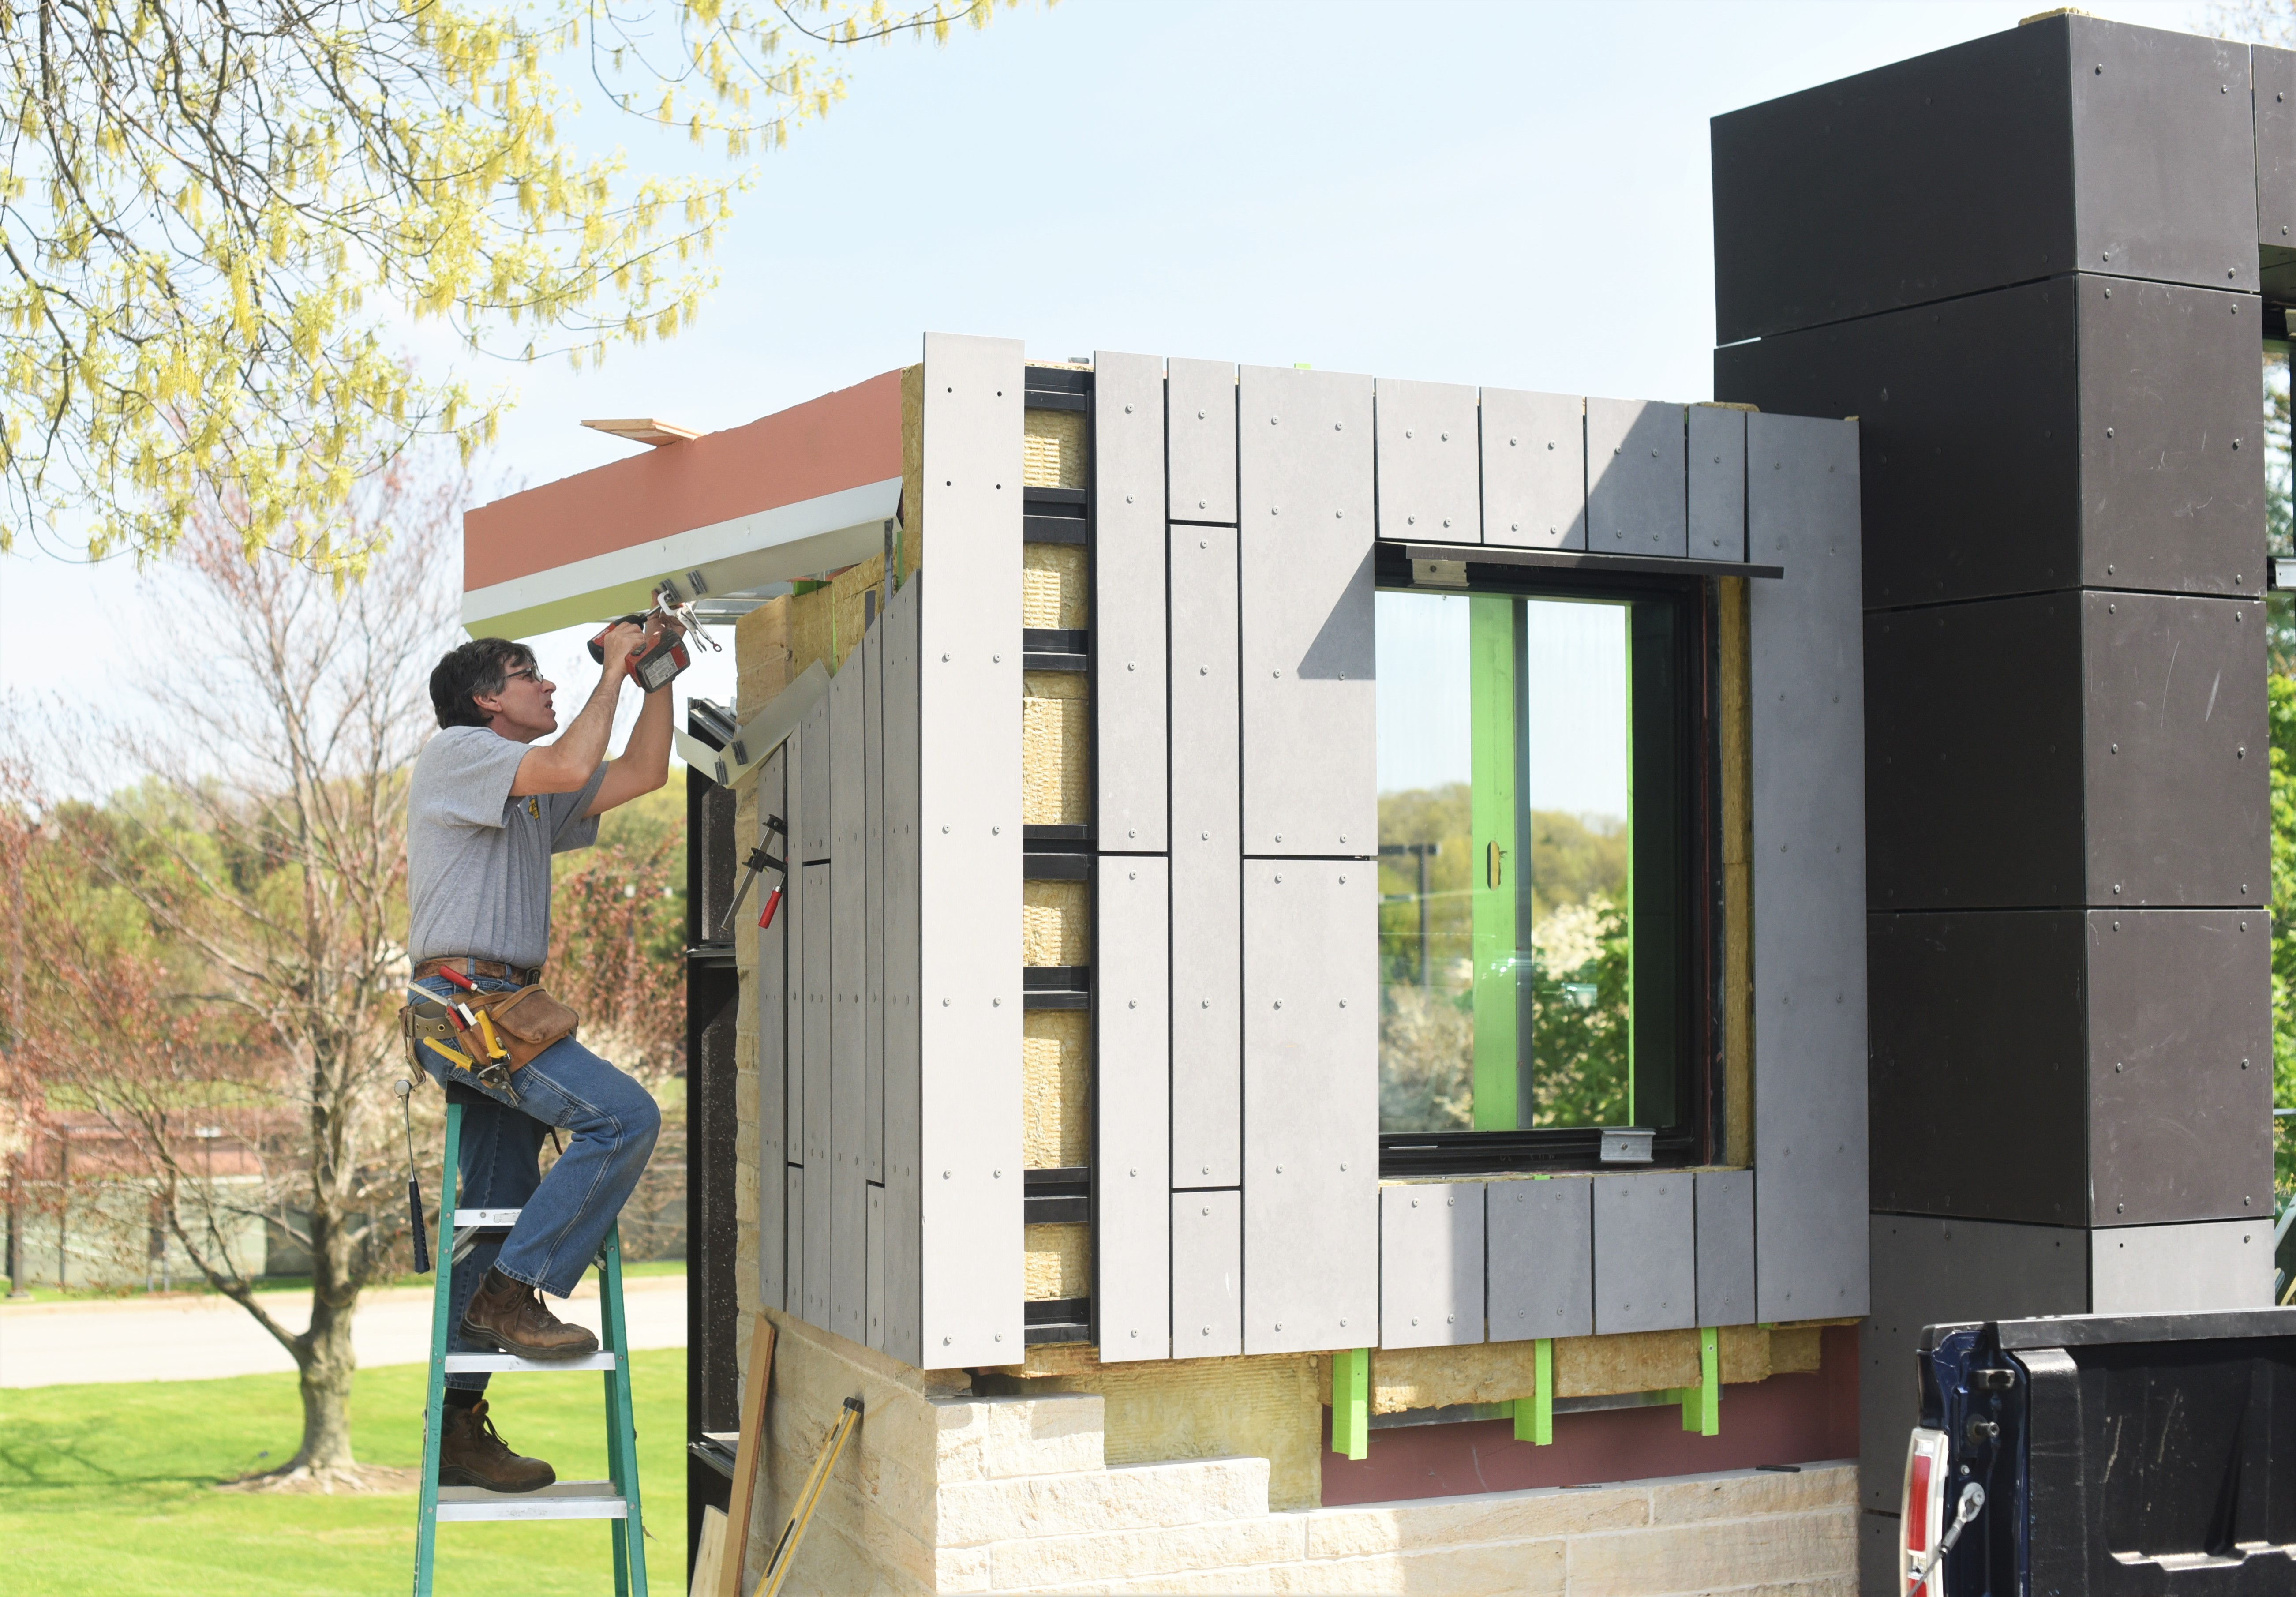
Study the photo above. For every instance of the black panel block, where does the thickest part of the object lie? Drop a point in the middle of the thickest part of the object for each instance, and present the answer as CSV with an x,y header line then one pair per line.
x,y
2178,810
1977,1080
2070,144
2180,1061
2072,1067
2272,76
2063,750
2083,431
1972,755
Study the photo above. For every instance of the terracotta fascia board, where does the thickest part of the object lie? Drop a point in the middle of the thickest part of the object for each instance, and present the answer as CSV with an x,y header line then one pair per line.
x,y
786,541
842,441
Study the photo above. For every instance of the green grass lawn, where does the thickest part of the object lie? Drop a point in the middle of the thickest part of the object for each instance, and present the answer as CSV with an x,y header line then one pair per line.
x,y
109,1489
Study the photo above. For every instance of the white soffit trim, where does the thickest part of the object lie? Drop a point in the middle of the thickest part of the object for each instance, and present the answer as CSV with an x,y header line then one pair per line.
x,y
780,544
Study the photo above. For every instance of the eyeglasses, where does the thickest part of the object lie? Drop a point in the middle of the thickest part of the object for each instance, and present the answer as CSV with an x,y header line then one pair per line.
x,y
530,673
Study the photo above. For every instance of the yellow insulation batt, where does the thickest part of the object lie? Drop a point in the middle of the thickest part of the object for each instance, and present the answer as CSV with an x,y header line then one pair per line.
x,y
1263,1406
761,655
1053,591
1055,1089
1056,923
1052,450
1059,1261
913,468
1055,750
826,623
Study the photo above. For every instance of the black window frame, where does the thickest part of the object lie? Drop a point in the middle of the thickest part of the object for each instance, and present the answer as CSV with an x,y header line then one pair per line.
x,y
1695,710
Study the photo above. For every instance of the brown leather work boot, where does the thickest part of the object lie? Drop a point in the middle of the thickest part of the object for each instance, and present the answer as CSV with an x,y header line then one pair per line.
x,y
472,1454
511,1316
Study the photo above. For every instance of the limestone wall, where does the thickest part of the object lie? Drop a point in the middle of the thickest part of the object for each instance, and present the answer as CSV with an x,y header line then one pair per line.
x,y
944,1491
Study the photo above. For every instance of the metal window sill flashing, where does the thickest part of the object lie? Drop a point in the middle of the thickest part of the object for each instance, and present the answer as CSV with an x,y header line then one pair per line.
x,y
1470,556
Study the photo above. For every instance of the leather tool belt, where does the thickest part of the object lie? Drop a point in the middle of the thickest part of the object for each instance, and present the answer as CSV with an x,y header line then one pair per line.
x,y
526,1022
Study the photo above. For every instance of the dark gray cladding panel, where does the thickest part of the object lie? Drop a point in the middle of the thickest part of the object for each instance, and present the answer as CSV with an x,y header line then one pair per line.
x,y
1930,1272
2179,1062
1541,1253
2070,1067
2177,811
2171,443
2271,78
1978,1076
1974,757
2017,156
2111,440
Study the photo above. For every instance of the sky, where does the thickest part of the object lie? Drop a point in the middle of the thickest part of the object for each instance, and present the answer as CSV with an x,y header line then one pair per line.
x,y
1505,195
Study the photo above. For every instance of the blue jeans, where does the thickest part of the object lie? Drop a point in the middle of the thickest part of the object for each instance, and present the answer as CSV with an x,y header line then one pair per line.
x,y
564,1215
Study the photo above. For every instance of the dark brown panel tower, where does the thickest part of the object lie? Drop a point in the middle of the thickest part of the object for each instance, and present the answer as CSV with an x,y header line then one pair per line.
x,y
2030,265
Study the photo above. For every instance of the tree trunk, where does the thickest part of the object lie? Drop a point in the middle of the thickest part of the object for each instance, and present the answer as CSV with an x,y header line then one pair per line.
x,y
326,1362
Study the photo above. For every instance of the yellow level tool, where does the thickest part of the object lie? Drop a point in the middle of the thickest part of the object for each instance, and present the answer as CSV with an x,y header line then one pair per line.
x,y
777,1568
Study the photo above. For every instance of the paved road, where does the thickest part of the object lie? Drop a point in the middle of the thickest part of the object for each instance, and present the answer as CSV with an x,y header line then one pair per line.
x,y
193,1338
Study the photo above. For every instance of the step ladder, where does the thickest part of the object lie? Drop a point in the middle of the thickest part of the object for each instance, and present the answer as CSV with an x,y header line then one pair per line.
x,y
615,1499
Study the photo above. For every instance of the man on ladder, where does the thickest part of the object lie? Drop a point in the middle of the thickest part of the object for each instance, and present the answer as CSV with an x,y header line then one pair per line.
x,y
487,808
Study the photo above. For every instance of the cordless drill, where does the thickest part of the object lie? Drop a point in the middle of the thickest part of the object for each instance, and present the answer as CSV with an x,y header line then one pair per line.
x,y
660,658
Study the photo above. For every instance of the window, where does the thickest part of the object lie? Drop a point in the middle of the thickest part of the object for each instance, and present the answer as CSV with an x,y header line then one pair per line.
x,y
1544,873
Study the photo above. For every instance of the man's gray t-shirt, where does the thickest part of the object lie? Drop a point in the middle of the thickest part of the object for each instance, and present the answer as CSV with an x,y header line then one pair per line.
x,y
478,860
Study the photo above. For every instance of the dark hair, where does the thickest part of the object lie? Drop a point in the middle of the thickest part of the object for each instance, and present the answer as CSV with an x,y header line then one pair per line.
x,y
482,665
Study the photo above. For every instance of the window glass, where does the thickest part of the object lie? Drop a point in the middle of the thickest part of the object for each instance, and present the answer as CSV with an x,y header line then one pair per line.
x,y
1514,987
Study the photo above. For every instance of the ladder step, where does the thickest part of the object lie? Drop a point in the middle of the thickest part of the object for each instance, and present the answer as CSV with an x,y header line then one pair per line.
x,y
566,1500
471,1364
485,1217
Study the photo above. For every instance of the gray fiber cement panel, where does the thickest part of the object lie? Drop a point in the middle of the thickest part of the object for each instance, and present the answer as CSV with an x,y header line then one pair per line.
x,y
1716,438
1808,699
903,1195
1201,439
1304,466
2174,702
1977,792
1130,739
876,1267
1132,1245
1206,1274
816,822
1983,1006
2110,410
1310,1105
2179,1065
1534,469
794,1007
968,867
1207,870
1933,1272
849,1007
1645,1252
772,1009
1724,1200
1635,482
873,857
1429,478
1540,1242
820,1091
2181,1269
793,1235
1431,1265
2006,159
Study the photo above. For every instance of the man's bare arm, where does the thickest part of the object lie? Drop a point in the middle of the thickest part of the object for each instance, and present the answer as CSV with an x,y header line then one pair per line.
x,y
564,765
644,762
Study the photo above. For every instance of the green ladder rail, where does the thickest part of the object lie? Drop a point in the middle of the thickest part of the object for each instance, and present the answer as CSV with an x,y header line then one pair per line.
x,y
615,1499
